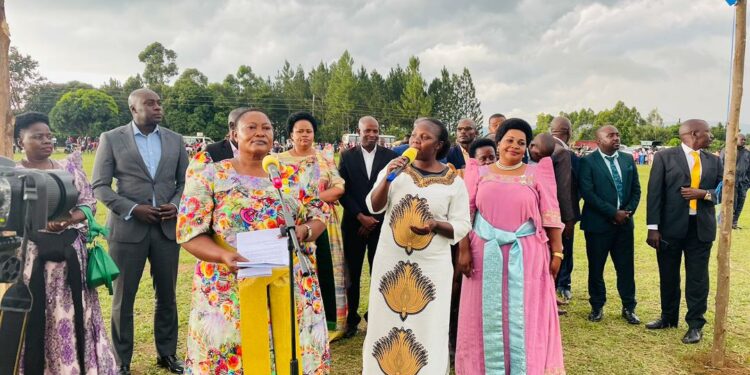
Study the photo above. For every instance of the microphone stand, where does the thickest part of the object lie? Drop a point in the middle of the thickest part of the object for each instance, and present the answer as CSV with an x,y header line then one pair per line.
x,y
293,245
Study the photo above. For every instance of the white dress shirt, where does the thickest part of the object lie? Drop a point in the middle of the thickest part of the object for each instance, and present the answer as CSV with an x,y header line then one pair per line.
x,y
369,159
561,142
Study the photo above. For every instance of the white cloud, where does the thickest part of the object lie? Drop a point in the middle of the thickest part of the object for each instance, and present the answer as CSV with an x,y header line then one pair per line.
x,y
526,56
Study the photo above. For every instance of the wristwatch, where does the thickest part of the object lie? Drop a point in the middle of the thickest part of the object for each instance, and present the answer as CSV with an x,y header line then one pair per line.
x,y
708,195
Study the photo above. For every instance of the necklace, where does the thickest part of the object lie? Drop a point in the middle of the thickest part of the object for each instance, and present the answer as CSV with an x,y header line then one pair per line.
x,y
508,168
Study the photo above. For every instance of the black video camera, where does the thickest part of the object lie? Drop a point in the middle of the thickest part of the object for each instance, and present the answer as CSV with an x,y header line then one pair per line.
x,y
28,199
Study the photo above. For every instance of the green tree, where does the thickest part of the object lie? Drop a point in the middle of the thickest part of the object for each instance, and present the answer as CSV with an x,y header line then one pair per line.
x,y
542,123
654,118
318,79
24,73
189,106
115,89
160,64
446,106
42,97
394,87
415,102
339,100
468,104
84,112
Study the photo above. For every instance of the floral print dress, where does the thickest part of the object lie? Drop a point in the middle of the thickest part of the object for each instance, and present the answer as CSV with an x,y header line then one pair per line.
x,y
317,173
61,356
217,200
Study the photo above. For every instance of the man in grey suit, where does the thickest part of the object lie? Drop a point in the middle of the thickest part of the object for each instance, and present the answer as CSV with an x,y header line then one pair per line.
x,y
148,162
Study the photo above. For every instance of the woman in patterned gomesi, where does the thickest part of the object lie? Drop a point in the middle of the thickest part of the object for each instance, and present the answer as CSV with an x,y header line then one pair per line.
x,y
426,211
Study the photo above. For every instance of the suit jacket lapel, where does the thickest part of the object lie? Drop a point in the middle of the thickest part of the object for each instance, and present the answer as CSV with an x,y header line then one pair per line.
x,y
706,169
624,175
129,139
683,162
359,157
378,164
604,166
166,145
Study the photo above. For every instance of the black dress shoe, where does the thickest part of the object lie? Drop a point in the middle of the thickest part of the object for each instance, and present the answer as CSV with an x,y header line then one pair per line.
x,y
124,370
630,317
350,332
171,363
661,323
596,315
692,336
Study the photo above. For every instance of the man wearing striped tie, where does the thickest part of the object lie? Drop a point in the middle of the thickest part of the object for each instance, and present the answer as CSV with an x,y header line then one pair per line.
x,y
681,219
608,183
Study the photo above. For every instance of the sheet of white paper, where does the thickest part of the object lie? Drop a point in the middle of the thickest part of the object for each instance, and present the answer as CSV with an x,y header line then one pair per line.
x,y
263,247
244,273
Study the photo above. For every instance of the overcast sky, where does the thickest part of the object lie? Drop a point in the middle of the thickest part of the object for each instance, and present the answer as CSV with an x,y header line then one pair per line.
x,y
526,56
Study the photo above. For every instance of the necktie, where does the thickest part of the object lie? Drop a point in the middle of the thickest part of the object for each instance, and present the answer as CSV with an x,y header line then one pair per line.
x,y
616,177
695,177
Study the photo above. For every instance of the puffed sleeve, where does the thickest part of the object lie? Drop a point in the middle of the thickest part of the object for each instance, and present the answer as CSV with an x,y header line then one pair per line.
x,y
458,212
544,182
73,164
329,169
471,181
368,199
197,203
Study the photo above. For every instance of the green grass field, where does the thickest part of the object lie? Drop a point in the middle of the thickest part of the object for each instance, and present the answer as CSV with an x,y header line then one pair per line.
x,y
609,347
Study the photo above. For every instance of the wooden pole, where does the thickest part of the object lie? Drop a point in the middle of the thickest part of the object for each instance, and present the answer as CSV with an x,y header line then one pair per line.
x,y
6,116
718,352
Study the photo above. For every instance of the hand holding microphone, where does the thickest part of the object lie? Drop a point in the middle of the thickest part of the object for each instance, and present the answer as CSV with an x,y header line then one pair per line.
x,y
398,164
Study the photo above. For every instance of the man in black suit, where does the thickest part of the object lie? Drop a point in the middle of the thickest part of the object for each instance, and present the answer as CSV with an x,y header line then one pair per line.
x,y
608,183
564,160
359,167
227,148
742,181
466,132
681,219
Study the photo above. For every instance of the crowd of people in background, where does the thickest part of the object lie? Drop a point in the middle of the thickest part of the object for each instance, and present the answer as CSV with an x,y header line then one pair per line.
x,y
469,243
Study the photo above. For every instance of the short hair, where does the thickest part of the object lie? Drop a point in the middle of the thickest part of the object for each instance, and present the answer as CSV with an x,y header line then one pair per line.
x,y
514,124
367,118
443,136
496,115
245,110
301,116
479,143
235,114
25,120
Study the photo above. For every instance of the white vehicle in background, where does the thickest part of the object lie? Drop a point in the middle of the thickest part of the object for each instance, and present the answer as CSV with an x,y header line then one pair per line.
x,y
196,143
351,140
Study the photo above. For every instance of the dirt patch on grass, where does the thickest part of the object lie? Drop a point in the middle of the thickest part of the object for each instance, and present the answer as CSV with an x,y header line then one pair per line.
x,y
701,364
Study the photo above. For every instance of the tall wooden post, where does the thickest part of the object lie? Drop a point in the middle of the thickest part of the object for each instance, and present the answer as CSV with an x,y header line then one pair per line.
x,y
6,116
718,352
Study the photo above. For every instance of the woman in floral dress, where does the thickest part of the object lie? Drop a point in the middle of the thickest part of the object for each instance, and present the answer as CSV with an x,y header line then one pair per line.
x,y
319,174
59,335
221,200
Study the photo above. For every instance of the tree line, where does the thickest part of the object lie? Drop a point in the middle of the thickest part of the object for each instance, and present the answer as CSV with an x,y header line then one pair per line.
x,y
633,126
337,93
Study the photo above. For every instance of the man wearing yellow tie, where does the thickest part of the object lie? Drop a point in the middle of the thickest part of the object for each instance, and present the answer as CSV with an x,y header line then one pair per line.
x,y
681,219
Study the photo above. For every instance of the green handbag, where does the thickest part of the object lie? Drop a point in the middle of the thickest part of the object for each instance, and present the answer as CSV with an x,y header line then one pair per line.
x,y
101,268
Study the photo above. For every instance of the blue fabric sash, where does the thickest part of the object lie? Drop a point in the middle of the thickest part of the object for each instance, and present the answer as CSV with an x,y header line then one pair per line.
x,y
492,296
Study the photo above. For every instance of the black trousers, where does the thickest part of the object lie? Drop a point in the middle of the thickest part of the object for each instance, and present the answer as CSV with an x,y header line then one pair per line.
x,y
619,244
669,257
163,255
739,202
566,266
354,252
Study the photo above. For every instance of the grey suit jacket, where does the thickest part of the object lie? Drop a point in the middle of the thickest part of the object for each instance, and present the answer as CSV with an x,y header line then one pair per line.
x,y
118,157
